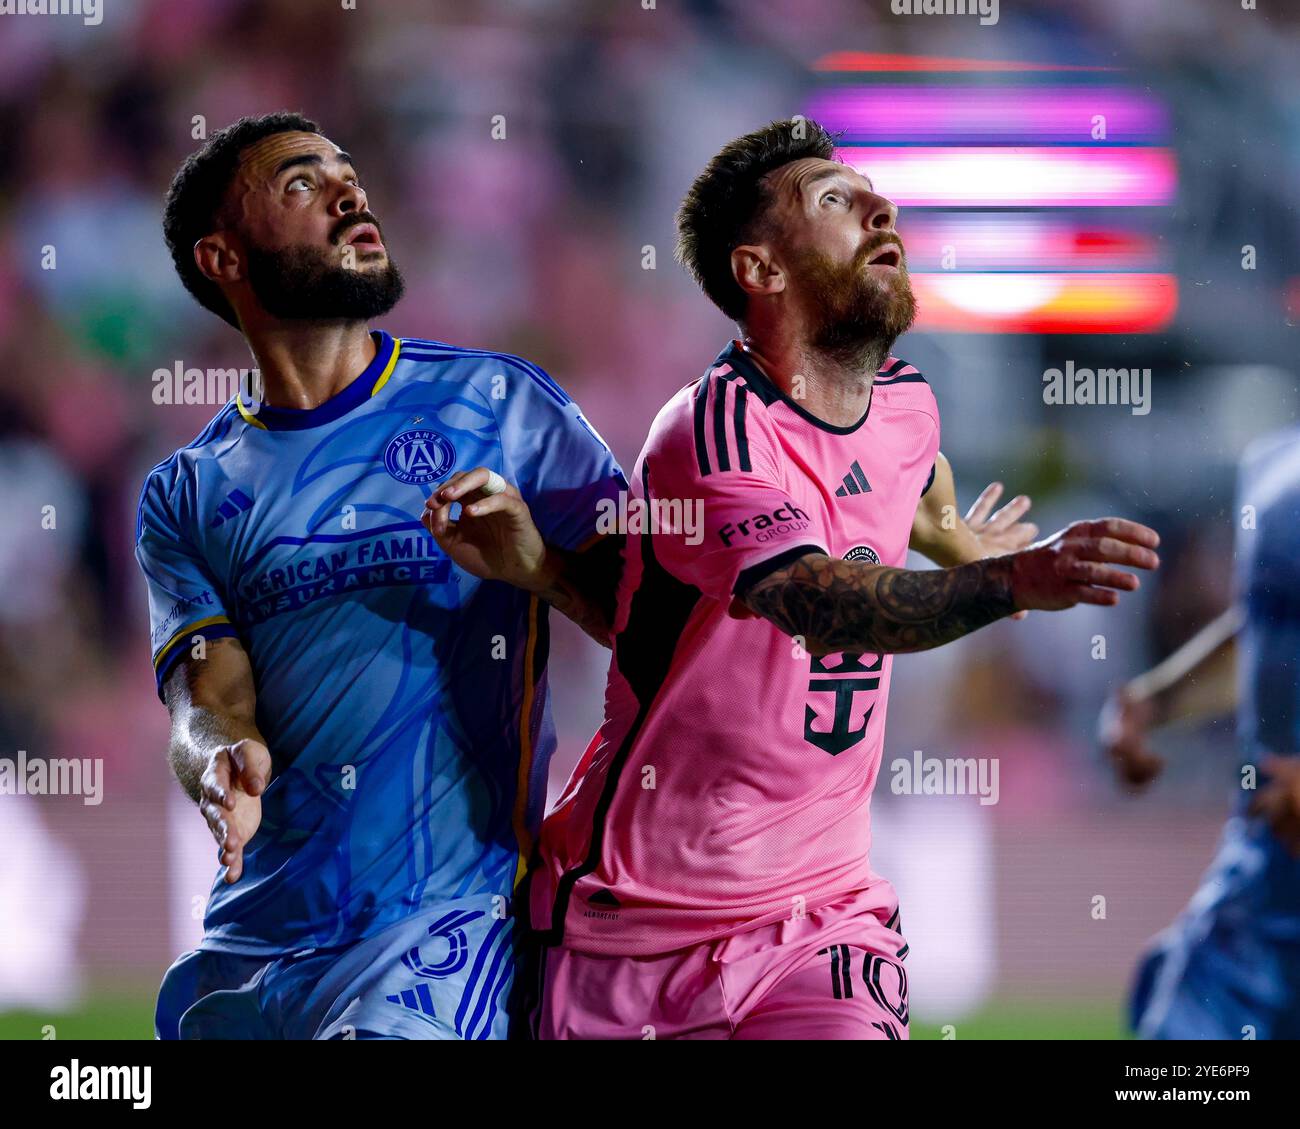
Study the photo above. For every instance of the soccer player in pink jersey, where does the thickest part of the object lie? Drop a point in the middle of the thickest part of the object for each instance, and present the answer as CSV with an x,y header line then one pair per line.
x,y
706,872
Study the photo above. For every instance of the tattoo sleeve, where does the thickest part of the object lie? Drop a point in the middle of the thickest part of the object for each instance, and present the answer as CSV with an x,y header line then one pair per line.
x,y
585,587
847,606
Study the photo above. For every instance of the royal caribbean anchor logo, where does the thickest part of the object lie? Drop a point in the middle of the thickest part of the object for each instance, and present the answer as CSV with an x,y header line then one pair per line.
x,y
419,456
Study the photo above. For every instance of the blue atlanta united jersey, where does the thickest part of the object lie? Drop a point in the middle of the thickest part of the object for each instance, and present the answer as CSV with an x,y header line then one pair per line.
x,y
404,701
1268,668
1268,583
1229,966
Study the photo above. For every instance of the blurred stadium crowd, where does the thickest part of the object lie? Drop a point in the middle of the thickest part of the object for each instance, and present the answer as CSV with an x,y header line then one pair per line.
x,y
538,244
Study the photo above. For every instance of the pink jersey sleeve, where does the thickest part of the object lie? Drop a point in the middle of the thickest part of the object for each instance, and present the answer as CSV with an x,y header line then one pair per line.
x,y
715,464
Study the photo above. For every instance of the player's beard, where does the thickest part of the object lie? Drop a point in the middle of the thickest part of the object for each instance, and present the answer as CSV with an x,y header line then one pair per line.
x,y
308,284
856,316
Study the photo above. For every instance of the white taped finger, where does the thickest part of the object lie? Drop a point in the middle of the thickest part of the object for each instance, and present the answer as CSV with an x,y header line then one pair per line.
x,y
495,484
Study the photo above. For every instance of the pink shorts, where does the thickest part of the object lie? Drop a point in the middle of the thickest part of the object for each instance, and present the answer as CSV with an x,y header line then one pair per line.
x,y
836,973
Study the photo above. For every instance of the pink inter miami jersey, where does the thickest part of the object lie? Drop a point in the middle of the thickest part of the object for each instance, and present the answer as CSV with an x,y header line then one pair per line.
x,y
730,783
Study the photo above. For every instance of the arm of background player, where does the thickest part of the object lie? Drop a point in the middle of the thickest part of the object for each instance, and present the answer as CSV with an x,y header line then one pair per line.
x,y
216,750
940,534
1197,681
835,605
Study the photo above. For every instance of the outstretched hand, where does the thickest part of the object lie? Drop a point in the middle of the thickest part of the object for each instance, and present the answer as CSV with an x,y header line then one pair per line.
x,y
1001,532
1078,565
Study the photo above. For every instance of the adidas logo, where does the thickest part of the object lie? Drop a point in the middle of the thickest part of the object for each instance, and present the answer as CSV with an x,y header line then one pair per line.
x,y
417,999
855,482
604,905
236,503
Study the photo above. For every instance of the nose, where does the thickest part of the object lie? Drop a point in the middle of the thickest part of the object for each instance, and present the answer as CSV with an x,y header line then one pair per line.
x,y
881,214
349,198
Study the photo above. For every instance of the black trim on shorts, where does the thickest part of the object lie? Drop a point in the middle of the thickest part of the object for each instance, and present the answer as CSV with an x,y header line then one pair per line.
x,y
841,971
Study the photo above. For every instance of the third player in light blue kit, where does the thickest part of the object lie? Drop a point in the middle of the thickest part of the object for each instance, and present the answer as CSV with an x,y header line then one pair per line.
x,y
363,722
1229,966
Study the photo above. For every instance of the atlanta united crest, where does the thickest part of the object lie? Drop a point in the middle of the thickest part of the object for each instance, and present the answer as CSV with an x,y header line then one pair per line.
x,y
419,456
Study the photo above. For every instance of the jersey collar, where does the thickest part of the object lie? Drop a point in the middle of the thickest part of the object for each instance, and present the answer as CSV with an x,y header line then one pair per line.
x,y
372,379
740,359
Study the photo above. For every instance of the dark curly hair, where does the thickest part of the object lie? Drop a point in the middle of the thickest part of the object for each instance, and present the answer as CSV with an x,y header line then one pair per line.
x,y
725,206
198,191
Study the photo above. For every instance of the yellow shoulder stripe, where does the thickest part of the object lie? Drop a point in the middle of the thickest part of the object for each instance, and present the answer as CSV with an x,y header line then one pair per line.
x,y
388,368
188,629
243,411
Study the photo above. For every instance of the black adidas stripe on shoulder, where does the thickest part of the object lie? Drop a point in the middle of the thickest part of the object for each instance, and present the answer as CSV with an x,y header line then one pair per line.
x,y
711,401
738,424
701,410
720,424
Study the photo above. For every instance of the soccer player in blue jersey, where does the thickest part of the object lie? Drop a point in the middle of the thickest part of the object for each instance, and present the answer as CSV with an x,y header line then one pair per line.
x,y
363,722
1229,966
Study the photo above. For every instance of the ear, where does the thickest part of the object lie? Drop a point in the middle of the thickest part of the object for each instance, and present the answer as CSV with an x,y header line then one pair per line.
x,y
219,257
754,270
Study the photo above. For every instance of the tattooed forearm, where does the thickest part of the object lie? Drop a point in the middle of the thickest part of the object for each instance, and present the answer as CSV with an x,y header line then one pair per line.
x,y
846,606
584,587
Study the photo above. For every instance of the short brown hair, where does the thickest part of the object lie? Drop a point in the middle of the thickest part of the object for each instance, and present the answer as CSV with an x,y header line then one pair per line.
x,y
724,207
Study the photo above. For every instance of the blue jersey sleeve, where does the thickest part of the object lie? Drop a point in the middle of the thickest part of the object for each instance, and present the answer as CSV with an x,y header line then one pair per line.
x,y
185,602
562,467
